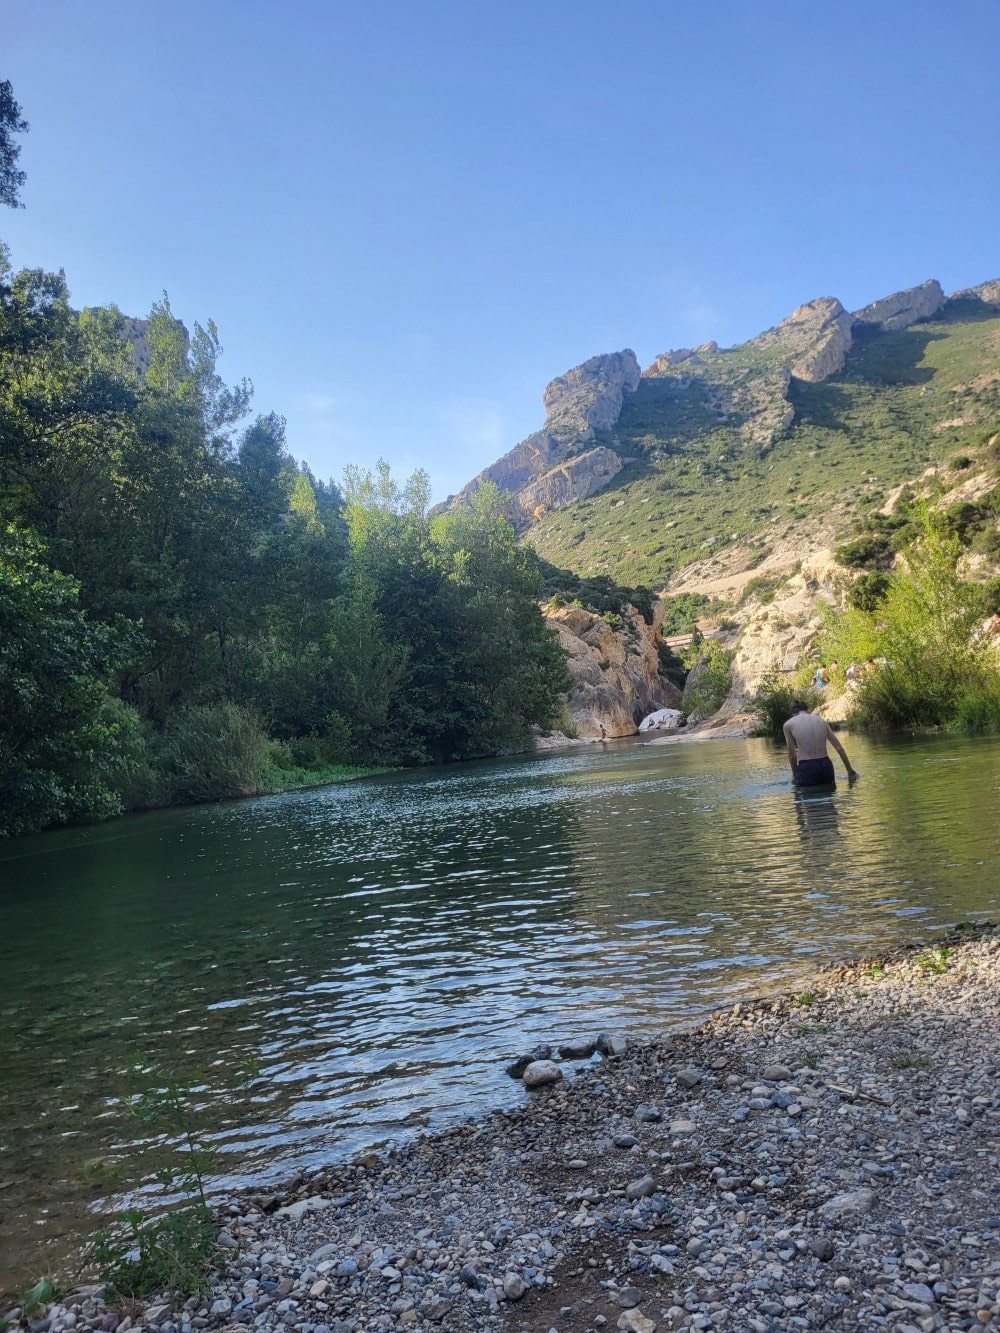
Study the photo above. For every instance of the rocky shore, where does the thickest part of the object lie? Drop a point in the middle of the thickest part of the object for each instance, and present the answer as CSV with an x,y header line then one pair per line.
x,y
821,1160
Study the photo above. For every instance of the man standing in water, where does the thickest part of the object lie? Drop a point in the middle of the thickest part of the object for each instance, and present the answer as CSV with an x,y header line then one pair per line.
x,y
807,737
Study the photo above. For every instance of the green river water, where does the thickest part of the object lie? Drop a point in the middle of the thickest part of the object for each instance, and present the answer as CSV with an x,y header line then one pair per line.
x,y
379,947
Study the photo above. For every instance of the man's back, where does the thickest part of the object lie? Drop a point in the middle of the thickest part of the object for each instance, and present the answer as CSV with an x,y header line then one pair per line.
x,y
810,734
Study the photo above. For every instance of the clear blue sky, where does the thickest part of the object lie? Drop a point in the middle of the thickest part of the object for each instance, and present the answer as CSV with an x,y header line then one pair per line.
x,y
406,218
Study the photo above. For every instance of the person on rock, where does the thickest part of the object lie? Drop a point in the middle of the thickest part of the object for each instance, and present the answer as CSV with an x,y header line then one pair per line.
x,y
807,737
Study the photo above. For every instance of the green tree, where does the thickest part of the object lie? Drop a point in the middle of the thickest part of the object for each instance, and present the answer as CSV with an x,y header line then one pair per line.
x,y
54,671
11,123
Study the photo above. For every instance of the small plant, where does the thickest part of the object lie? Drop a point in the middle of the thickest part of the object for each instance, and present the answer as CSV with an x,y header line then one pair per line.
x,y
144,1253
875,972
43,1293
811,1059
807,998
935,960
908,1060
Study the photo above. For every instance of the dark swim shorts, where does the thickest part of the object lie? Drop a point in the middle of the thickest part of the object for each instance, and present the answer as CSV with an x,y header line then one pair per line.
x,y
815,773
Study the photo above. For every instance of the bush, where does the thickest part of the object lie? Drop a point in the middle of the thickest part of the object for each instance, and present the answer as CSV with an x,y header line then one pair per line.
x,y
672,666
923,636
709,682
867,591
213,752
772,707
978,711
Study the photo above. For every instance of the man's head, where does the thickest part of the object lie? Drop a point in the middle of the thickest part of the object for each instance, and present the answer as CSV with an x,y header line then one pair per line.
x,y
798,706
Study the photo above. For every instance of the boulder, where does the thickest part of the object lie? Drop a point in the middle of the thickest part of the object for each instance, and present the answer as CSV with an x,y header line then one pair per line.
x,y
541,1072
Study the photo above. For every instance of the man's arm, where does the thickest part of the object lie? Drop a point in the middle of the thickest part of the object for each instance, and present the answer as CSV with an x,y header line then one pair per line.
x,y
831,736
793,756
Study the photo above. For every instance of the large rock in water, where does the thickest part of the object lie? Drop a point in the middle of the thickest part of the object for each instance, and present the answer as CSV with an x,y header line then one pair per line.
x,y
554,462
615,677
816,336
902,309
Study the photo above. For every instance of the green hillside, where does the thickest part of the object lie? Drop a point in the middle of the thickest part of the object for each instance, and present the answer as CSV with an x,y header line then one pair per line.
x,y
693,486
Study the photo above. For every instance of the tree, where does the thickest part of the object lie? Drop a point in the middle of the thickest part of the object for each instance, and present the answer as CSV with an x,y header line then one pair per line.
x,y
54,668
11,123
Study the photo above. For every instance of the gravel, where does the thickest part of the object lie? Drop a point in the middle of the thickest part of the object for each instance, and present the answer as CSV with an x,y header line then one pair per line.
x,y
833,1165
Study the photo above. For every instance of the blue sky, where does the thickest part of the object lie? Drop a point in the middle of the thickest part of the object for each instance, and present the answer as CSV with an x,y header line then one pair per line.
x,y
406,218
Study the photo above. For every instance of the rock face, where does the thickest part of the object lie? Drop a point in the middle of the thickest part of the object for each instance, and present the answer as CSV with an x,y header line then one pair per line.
x,y
902,309
615,674
135,334
575,479
987,292
776,636
554,467
816,336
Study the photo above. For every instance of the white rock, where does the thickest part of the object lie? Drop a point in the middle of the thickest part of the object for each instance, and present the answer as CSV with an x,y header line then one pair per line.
x,y
847,1205
541,1072
634,1321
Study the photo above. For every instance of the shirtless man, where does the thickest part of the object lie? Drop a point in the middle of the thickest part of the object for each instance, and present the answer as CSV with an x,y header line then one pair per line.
x,y
807,737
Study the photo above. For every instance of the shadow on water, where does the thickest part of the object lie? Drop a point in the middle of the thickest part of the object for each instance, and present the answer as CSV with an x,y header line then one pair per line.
x,y
378,947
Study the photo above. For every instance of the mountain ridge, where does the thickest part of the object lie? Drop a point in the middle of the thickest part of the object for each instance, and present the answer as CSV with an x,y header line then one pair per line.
x,y
822,389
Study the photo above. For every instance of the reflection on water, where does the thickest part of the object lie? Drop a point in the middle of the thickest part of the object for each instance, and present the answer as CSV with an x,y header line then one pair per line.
x,y
378,947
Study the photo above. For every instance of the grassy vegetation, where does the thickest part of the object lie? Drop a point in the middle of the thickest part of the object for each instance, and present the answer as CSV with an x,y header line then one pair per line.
x,y
904,401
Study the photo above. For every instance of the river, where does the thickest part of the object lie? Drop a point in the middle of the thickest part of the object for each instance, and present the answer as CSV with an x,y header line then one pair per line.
x,y
378,947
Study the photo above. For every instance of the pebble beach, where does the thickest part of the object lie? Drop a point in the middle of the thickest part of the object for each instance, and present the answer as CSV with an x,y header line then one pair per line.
x,y
824,1159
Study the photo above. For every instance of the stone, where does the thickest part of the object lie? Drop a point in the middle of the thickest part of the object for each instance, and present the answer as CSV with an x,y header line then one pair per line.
x,y
625,1140
682,1126
776,1073
849,1204
610,1044
640,1189
822,1247
688,1078
648,1114
541,1072
513,1286
634,1321
577,1050
919,1291
347,1269
221,1306
628,1297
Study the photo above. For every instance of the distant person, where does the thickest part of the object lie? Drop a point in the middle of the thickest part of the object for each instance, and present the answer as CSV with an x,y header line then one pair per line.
x,y
604,732
834,669
807,737
821,678
851,675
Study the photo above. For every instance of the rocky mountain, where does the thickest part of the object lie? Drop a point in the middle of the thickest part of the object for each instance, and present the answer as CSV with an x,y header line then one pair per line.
x,y
556,465
637,475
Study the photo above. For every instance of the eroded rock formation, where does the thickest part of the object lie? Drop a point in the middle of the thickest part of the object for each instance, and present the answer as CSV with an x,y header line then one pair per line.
x,y
902,309
584,400
815,338
615,673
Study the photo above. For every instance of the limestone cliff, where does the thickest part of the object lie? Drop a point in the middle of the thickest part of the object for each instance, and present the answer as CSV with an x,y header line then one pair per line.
x,y
902,309
815,339
615,673
554,466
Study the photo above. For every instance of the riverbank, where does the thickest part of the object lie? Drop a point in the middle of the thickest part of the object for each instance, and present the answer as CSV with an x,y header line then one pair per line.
x,y
820,1160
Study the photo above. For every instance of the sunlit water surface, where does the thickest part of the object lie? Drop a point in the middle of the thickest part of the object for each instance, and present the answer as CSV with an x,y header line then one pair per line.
x,y
379,947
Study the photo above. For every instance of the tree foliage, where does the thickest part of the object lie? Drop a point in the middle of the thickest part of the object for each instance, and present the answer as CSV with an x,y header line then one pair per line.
x,y
922,638
11,122
215,609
